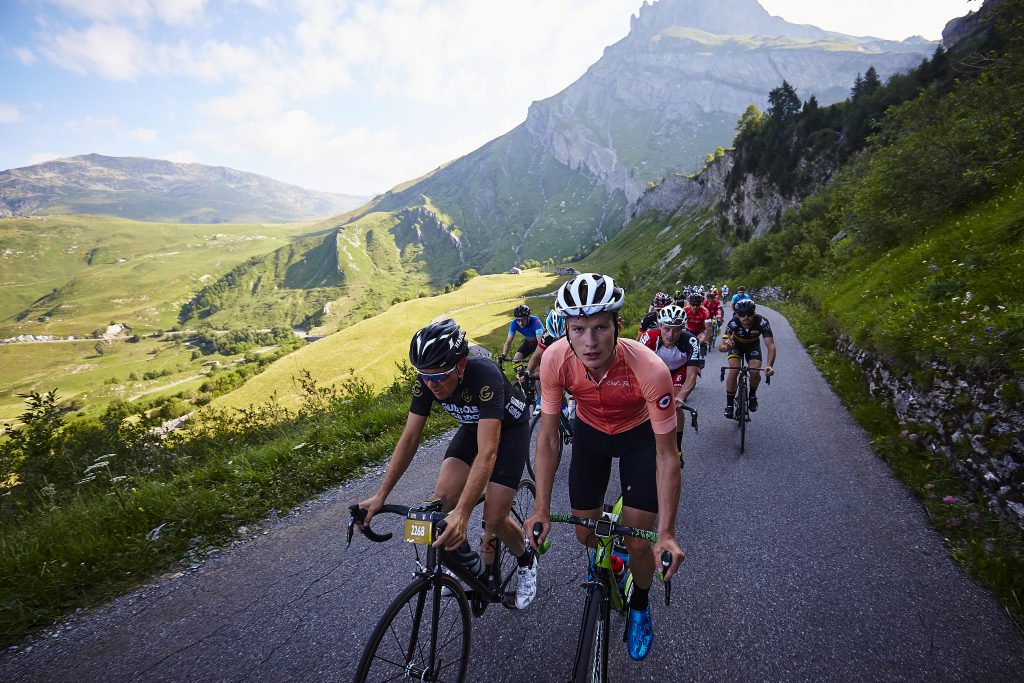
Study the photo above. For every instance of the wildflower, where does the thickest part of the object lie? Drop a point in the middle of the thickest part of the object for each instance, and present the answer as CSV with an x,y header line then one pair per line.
x,y
950,499
974,517
989,329
929,486
954,522
913,437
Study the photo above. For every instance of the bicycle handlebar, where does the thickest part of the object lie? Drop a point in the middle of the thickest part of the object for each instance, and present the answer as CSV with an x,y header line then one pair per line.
x,y
358,514
603,528
693,416
745,368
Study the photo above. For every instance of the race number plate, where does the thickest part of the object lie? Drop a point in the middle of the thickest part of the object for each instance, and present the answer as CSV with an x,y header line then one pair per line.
x,y
419,531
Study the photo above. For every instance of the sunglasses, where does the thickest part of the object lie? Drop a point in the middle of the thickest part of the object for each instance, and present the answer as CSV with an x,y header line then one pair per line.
x,y
437,376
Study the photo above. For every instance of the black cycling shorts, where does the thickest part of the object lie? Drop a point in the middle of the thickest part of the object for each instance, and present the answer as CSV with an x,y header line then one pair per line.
x,y
512,450
527,347
591,467
749,351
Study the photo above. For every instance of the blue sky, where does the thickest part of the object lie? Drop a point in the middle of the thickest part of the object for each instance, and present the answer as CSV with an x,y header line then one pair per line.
x,y
340,95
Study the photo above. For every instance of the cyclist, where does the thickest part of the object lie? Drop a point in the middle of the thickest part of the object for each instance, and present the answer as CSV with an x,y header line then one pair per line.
x,y
624,410
554,329
742,337
680,350
698,319
725,292
714,306
740,295
650,321
527,325
489,448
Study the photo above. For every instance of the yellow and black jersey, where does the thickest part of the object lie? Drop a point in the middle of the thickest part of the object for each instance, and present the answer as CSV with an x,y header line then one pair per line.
x,y
740,334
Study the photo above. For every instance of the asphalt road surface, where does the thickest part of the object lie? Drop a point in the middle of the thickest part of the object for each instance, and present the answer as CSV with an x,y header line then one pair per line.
x,y
806,560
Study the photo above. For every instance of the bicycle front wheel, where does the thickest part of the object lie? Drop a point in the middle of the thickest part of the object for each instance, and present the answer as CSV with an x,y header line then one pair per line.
x,y
531,460
592,649
505,564
423,635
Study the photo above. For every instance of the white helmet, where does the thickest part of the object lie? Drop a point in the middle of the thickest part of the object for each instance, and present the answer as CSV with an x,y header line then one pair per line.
x,y
588,294
673,316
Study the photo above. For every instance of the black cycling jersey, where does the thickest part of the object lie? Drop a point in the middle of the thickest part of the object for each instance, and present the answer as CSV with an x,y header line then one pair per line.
x,y
649,321
741,335
484,393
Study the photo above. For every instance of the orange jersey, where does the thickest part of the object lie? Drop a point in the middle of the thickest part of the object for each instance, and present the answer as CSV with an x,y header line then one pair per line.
x,y
637,388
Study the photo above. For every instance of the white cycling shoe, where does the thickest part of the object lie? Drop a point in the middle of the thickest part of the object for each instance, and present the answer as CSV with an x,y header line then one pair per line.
x,y
526,584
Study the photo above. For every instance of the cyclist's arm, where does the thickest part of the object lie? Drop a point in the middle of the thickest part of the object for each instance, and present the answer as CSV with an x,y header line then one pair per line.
x,y
769,343
683,392
508,343
727,343
544,469
488,432
534,362
401,457
668,498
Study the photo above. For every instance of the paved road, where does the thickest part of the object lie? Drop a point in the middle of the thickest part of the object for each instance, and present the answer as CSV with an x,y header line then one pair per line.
x,y
806,561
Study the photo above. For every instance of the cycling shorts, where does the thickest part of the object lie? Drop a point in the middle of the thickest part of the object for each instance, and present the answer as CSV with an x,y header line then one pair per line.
x,y
679,376
512,450
591,466
525,349
749,351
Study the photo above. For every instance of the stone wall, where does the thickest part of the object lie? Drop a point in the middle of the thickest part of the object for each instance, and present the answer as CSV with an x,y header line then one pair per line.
x,y
976,422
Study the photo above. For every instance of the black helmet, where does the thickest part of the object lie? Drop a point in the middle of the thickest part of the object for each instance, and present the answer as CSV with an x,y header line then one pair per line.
x,y
438,345
745,306
695,300
521,311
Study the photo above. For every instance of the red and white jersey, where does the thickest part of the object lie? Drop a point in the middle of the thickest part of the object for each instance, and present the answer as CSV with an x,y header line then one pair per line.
x,y
636,388
696,317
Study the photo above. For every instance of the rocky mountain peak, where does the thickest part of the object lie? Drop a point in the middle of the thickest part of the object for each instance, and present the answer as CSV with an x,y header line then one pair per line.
x,y
716,16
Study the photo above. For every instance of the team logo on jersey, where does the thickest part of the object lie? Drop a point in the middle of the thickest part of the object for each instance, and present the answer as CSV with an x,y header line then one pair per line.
x,y
665,401
417,389
467,396
485,393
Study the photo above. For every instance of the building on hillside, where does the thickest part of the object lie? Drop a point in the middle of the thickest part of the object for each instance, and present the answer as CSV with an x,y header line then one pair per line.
x,y
514,271
566,270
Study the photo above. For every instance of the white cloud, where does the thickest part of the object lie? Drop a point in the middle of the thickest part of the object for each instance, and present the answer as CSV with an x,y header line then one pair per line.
x,y
25,56
9,113
144,135
93,125
175,12
111,51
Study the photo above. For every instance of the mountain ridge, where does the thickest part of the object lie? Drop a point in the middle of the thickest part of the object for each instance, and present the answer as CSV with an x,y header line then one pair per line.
x,y
141,188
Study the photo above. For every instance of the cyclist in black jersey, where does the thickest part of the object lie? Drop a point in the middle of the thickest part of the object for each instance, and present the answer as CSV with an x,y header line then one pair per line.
x,y
742,336
650,320
489,448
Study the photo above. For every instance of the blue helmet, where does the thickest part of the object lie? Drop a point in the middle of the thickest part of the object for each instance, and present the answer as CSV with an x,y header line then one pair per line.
x,y
555,324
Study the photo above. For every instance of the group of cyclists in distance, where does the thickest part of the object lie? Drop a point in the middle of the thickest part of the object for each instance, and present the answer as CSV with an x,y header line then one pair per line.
x,y
629,396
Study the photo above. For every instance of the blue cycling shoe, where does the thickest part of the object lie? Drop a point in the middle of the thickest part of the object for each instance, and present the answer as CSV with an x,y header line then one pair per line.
x,y
641,633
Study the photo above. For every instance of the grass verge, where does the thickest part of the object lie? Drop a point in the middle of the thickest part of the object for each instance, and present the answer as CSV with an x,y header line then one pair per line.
x,y
989,549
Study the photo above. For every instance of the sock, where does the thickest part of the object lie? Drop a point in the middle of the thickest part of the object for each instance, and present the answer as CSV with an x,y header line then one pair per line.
x,y
730,399
526,559
753,393
639,600
679,441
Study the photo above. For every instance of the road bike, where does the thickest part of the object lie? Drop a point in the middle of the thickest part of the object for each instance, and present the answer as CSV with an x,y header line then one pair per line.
x,y
741,413
714,333
424,634
565,418
604,595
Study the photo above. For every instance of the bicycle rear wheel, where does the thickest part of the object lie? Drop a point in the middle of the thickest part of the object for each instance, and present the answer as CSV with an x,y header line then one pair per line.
x,y
532,458
505,565
591,665
404,640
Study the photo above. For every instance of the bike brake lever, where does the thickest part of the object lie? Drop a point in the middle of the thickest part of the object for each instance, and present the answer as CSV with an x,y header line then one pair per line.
x,y
666,562
353,513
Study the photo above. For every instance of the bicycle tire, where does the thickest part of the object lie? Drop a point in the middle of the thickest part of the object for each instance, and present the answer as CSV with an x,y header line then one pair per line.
x,y
531,458
505,565
591,664
388,655
741,414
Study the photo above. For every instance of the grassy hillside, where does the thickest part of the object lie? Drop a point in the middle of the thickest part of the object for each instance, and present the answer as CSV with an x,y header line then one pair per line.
x,y
70,275
370,349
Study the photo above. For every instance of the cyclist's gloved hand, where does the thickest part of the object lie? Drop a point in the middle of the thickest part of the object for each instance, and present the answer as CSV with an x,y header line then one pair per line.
x,y
501,359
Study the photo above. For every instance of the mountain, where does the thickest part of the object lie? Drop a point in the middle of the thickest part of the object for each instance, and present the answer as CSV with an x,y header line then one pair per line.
x,y
155,190
655,103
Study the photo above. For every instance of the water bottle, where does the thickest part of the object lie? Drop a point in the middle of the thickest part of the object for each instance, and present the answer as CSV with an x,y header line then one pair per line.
x,y
619,562
469,559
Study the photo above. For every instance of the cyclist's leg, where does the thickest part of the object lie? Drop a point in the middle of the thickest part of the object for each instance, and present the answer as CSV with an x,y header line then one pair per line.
x,y
638,474
589,472
501,489
451,479
754,361
730,381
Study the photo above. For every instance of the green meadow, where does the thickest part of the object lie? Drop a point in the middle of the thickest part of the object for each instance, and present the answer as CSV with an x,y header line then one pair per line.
x,y
70,275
